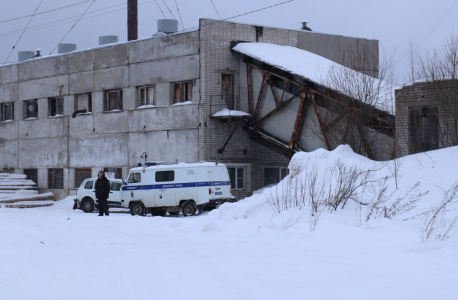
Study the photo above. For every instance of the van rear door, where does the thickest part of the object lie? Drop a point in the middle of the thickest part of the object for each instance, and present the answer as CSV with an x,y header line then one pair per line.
x,y
216,182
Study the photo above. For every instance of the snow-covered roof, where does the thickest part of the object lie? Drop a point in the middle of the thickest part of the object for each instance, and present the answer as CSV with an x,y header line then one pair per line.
x,y
305,64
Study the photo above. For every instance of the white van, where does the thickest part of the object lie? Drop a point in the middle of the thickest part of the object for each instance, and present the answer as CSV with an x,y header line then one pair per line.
x,y
85,196
184,187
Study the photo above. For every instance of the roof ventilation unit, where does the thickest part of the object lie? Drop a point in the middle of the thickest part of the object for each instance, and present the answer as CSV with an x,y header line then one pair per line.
x,y
305,27
167,26
65,48
25,55
108,39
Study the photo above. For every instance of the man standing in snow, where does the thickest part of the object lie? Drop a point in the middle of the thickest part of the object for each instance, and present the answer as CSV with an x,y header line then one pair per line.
x,y
102,191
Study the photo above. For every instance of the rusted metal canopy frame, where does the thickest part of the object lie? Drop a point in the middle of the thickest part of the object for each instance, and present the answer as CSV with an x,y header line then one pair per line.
x,y
373,120
299,124
264,138
221,150
250,93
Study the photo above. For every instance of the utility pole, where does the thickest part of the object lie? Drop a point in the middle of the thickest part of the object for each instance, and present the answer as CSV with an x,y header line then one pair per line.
x,y
132,20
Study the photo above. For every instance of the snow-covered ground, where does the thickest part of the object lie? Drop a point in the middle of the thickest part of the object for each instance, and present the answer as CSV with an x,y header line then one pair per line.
x,y
238,251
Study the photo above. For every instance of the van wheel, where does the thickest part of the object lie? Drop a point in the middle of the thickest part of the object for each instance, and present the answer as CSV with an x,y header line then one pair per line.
x,y
87,206
137,208
189,208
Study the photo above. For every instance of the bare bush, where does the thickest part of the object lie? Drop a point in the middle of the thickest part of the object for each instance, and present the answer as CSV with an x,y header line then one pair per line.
x,y
436,222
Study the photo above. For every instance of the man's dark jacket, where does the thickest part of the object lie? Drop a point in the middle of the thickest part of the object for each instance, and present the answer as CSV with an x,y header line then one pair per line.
x,y
102,188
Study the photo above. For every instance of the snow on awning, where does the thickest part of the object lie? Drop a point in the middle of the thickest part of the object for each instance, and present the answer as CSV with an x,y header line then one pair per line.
x,y
226,114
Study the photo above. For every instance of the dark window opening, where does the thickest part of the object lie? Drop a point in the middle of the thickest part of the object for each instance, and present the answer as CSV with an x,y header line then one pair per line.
x,y
32,174
227,91
237,177
274,175
424,129
182,91
83,101
162,176
56,178
31,109
56,107
113,100
146,96
81,175
113,172
7,111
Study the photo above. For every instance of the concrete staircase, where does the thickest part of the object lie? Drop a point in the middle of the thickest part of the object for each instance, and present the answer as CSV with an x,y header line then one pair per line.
x,y
18,192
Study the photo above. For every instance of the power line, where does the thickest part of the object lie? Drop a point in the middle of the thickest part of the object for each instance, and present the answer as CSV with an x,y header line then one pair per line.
x,y
48,11
171,12
418,45
24,30
179,14
244,14
160,9
29,30
72,27
215,9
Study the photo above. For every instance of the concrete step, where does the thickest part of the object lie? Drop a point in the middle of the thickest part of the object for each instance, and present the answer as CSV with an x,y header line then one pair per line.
x,y
30,204
20,198
15,187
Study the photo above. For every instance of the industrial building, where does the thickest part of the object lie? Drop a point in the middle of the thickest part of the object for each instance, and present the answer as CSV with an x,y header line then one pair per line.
x,y
174,97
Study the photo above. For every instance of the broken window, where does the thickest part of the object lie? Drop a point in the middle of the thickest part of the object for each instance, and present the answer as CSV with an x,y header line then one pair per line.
x,y
182,91
31,109
145,96
83,101
56,178
237,177
424,129
113,100
56,107
273,175
81,175
32,174
115,172
7,111
227,91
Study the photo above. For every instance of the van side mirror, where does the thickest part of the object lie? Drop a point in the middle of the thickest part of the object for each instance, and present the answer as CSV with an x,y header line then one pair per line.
x,y
124,182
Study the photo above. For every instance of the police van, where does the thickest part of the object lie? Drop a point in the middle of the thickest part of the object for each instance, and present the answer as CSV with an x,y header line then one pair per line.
x,y
159,188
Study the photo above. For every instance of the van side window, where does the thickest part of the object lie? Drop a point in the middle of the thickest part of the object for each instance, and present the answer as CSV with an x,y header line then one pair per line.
x,y
135,177
116,186
165,176
89,185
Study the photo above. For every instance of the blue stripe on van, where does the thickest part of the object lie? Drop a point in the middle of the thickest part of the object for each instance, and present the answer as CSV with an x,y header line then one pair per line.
x,y
175,185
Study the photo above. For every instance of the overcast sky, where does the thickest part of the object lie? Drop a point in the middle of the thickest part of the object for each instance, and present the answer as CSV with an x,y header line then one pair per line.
x,y
392,22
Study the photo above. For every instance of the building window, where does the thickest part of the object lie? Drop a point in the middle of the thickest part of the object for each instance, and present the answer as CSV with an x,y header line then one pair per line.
x,y
424,129
7,111
56,107
83,101
32,174
56,178
31,109
237,177
113,172
182,91
273,175
145,96
81,175
227,91
162,176
113,100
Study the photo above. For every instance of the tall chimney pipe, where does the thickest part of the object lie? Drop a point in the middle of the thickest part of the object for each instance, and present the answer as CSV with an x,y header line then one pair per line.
x,y
132,20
